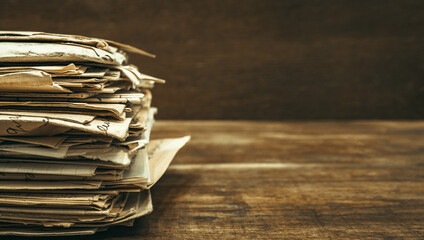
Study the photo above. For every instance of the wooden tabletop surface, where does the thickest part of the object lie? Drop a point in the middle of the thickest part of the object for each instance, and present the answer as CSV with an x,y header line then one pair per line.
x,y
288,180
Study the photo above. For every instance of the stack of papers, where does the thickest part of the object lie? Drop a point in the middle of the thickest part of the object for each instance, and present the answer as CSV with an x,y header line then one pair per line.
x,y
75,121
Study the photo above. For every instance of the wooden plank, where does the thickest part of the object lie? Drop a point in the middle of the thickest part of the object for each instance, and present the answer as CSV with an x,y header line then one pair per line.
x,y
293,180
372,142
288,180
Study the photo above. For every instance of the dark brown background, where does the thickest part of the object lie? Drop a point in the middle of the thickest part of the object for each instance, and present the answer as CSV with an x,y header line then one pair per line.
x,y
255,59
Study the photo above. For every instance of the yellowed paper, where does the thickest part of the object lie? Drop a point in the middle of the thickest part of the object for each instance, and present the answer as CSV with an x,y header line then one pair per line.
x,y
70,69
161,152
76,118
56,52
29,81
52,37
53,141
56,199
115,110
39,168
26,231
46,95
36,126
48,185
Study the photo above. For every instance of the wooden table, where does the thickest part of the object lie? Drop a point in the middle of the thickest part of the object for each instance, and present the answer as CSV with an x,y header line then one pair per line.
x,y
288,180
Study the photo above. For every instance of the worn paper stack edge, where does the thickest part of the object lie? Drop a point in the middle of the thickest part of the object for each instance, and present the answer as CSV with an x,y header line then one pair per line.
x,y
75,122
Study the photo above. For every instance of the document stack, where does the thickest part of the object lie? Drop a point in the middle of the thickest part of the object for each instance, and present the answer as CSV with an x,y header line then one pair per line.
x,y
75,121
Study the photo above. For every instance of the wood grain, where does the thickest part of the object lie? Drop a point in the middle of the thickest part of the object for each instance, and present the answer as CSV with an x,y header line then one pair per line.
x,y
288,180
250,59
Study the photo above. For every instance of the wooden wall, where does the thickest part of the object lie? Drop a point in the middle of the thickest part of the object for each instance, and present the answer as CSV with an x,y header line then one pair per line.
x,y
258,59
